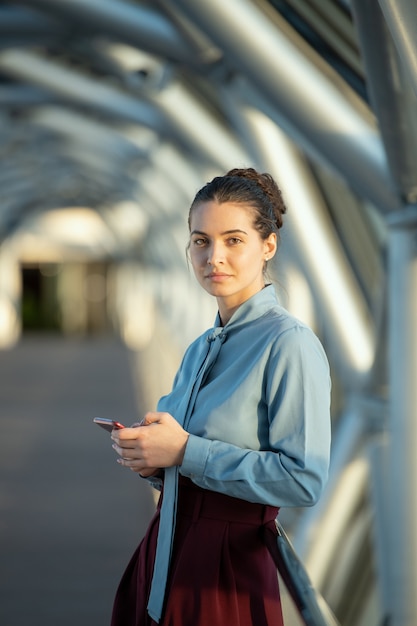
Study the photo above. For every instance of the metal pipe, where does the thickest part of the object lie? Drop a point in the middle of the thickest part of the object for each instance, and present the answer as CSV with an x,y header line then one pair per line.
x,y
346,439
15,21
138,25
82,130
338,296
401,17
379,469
23,95
77,88
315,104
403,417
195,124
172,112
391,95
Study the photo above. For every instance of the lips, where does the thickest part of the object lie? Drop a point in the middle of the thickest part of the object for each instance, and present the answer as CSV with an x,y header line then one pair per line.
x,y
217,276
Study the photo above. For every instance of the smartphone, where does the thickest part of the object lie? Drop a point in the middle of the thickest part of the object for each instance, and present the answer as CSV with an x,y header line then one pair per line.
x,y
107,424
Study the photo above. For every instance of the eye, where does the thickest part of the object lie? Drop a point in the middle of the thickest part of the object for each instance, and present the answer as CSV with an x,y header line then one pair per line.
x,y
199,241
233,241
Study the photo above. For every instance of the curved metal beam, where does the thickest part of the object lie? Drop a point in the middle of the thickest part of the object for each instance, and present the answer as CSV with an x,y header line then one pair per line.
x,y
196,125
341,302
23,95
173,112
15,21
83,131
324,111
77,88
138,25
401,16
403,419
392,96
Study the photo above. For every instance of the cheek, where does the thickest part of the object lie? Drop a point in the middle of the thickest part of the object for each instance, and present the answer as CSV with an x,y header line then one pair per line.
x,y
195,258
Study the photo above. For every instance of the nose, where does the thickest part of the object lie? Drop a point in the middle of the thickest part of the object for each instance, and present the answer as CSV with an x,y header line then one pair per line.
x,y
215,254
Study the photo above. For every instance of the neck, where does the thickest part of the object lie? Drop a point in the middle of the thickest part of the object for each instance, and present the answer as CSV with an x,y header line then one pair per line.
x,y
228,308
226,313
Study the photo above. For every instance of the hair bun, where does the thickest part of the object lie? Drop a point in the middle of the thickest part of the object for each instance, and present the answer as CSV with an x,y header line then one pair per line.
x,y
269,188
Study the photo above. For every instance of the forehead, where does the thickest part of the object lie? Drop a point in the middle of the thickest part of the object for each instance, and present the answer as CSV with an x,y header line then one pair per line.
x,y
211,216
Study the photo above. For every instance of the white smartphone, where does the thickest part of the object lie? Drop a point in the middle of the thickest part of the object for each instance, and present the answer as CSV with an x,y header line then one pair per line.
x,y
108,424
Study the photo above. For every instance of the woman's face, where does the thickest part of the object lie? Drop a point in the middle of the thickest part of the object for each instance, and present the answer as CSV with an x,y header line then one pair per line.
x,y
227,253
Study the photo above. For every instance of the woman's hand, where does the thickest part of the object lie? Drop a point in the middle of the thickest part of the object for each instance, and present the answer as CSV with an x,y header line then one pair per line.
x,y
158,442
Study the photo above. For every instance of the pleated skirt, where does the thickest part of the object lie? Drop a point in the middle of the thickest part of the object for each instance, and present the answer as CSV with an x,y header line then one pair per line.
x,y
221,572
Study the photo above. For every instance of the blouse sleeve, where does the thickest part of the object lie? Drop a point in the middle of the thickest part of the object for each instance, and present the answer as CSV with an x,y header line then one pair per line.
x,y
293,471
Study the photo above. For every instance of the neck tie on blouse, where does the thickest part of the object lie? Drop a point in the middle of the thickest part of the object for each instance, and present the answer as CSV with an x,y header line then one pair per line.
x,y
170,491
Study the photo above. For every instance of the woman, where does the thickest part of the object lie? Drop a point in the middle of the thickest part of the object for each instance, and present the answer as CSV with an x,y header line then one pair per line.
x,y
244,431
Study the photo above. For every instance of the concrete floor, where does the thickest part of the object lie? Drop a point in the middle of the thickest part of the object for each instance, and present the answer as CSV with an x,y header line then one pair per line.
x,y
70,517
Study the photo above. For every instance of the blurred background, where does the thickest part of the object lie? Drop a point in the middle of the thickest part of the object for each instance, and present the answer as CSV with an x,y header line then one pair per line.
x,y
113,113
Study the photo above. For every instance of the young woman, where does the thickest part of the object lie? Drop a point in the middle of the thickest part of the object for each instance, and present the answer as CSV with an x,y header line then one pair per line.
x,y
244,431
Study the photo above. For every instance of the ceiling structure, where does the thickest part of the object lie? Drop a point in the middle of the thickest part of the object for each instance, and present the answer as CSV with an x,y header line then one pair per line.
x,y
107,102
128,107
76,71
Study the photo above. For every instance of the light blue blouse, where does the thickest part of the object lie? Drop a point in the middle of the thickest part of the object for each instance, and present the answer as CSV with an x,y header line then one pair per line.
x,y
255,398
260,427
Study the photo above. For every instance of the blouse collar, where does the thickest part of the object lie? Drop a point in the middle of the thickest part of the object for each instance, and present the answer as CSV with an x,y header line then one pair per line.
x,y
252,309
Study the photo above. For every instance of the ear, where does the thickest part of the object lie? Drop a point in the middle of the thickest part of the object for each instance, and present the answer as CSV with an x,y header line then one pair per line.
x,y
270,246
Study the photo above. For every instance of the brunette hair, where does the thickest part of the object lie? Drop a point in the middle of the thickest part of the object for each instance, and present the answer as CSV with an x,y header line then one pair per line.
x,y
249,187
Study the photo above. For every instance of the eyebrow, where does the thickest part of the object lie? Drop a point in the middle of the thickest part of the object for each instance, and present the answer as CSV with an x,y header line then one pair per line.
x,y
226,232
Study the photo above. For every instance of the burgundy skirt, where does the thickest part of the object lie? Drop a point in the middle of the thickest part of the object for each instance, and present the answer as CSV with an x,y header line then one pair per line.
x,y
221,571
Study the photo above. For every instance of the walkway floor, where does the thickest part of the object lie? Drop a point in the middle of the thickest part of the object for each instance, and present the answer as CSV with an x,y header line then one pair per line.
x,y
70,517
